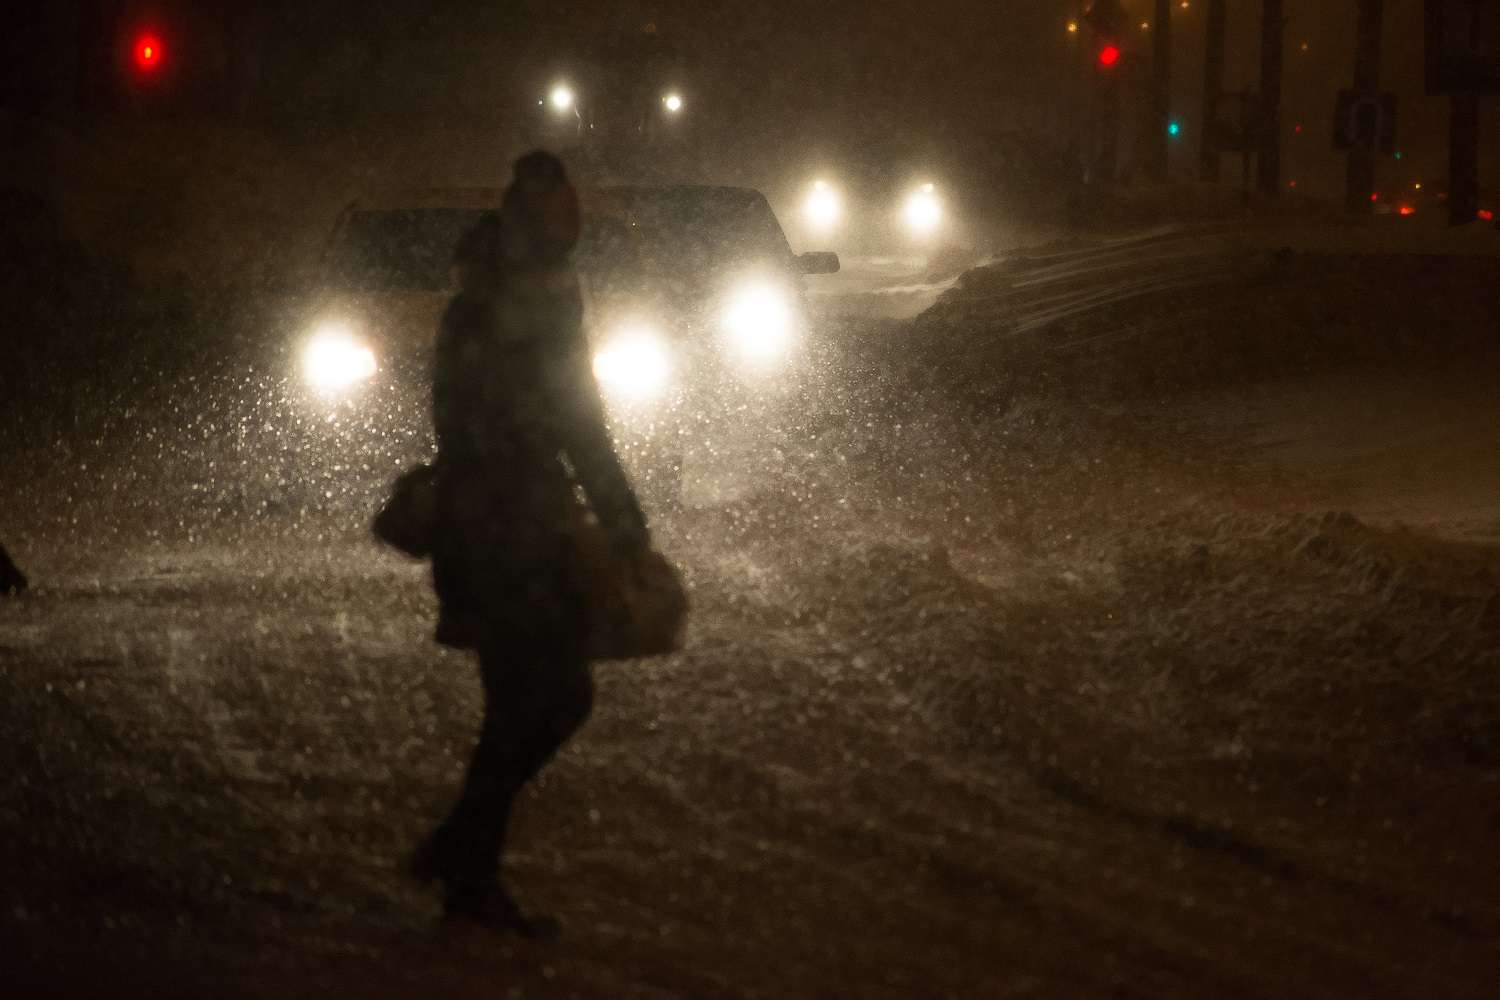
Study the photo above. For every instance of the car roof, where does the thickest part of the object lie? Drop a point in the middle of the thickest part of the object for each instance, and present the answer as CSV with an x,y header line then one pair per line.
x,y
398,199
614,197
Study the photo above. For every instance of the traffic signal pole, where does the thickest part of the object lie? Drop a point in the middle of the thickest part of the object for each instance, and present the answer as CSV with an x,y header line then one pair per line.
x,y
1272,61
1213,87
1107,21
1108,97
1161,90
1360,180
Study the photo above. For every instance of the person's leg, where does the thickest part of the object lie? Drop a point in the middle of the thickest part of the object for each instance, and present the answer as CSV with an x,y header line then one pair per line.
x,y
460,623
534,702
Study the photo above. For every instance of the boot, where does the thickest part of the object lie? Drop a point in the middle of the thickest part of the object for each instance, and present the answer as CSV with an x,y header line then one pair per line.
x,y
495,909
432,861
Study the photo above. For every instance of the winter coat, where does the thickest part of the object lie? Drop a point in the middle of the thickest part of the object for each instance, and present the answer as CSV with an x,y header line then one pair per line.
x,y
519,420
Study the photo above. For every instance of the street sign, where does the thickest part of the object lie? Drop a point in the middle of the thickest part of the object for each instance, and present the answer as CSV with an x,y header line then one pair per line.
x,y
1365,121
1463,46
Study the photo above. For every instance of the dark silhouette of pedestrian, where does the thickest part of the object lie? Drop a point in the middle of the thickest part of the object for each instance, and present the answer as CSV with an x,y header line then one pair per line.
x,y
514,392
12,580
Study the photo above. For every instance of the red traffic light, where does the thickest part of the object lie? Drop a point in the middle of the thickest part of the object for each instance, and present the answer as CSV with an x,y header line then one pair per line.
x,y
148,52
1109,55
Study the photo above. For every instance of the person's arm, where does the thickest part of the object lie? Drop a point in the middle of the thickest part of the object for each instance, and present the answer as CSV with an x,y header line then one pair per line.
x,y
586,441
443,371
455,361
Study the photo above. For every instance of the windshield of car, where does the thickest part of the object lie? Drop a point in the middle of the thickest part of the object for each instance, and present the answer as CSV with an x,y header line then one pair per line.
x,y
608,243
411,250
400,250
708,228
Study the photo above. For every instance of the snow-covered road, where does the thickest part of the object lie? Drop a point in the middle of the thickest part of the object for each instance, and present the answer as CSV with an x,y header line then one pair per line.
x,y
1053,689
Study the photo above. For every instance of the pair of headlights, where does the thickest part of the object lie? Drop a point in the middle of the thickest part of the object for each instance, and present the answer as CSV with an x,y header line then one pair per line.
x,y
564,101
633,364
757,323
921,210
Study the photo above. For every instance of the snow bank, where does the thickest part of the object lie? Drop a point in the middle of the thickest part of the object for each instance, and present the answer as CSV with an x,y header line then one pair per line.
x,y
1254,316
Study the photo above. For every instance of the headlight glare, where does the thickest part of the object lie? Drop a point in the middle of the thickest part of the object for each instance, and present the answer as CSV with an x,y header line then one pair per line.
x,y
823,208
335,360
760,323
922,212
634,364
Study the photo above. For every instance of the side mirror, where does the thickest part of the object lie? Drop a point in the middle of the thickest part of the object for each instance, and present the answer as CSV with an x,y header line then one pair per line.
x,y
818,262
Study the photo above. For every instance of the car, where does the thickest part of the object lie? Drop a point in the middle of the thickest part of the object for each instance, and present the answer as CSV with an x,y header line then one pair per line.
x,y
695,309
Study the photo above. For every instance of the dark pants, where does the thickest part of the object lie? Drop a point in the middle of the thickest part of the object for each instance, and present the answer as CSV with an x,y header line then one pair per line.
x,y
536,696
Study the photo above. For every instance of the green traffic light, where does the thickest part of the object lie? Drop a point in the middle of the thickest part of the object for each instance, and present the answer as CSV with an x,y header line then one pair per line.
x,y
1174,128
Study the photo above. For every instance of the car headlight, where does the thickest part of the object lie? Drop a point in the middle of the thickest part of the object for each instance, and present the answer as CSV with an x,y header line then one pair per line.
x,y
634,364
335,360
759,323
922,212
823,208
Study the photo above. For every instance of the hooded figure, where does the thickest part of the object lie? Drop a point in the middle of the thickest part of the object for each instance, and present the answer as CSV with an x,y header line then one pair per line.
x,y
519,422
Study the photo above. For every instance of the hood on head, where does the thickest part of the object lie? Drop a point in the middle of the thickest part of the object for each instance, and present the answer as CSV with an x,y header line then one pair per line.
x,y
539,216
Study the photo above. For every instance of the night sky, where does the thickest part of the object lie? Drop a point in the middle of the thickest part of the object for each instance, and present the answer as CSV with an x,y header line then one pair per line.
x,y
840,79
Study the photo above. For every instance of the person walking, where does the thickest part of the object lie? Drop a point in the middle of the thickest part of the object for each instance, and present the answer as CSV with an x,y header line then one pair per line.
x,y
513,395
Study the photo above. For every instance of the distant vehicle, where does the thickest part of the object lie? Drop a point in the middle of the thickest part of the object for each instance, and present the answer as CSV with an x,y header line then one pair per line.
x,y
888,214
568,117
618,82
694,306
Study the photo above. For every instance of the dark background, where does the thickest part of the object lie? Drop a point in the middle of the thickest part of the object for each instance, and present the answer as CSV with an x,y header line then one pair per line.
x,y
335,96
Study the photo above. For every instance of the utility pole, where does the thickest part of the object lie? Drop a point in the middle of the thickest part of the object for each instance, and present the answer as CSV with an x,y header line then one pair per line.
x,y
1272,47
1360,182
1085,96
1213,87
1463,159
1161,90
